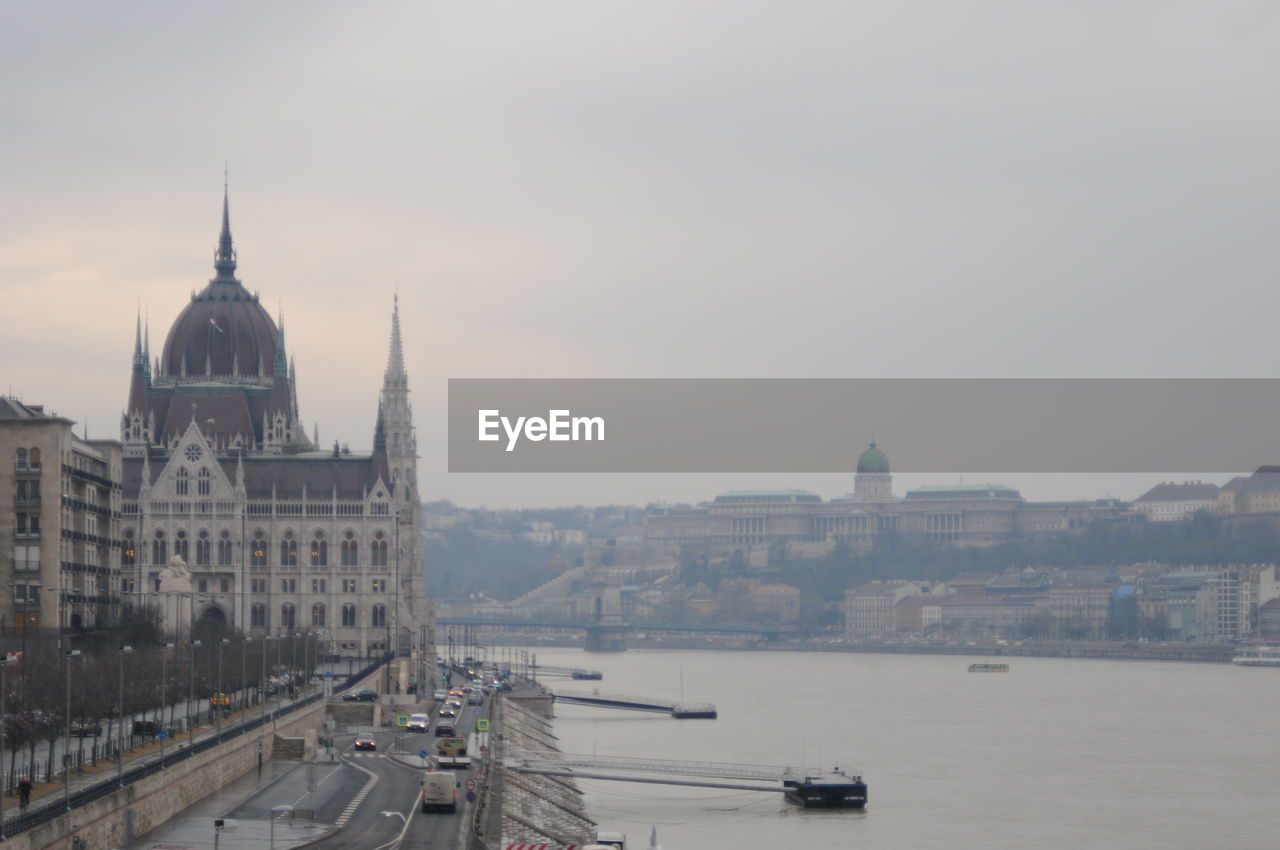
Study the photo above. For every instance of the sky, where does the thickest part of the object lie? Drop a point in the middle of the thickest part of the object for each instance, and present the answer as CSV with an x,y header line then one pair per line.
x,y
700,188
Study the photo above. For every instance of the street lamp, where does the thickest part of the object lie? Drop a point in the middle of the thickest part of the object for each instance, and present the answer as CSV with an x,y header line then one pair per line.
x,y
262,684
191,694
218,695
244,679
124,650
164,697
66,750
4,662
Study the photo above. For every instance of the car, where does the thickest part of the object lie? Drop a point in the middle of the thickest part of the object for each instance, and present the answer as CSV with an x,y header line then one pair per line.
x,y
439,696
445,726
418,723
362,695
366,743
456,702
447,711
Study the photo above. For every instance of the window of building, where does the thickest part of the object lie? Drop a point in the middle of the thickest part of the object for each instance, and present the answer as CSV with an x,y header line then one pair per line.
x,y
129,551
287,616
378,551
258,585
182,482
318,585
258,616
378,585
288,585
379,617
258,550
159,553
349,615
319,551
317,615
202,585
224,585
350,551
202,482
203,545
288,550
348,585
29,524
224,548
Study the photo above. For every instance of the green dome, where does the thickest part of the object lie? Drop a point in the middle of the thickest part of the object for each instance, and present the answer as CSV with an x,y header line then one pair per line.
x,y
873,460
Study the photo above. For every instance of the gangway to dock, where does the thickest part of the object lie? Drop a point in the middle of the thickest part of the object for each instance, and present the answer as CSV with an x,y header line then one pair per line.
x,y
634,703
569,673
807,786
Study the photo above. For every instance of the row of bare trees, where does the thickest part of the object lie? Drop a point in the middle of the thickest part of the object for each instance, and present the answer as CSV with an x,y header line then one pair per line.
x,y
89,692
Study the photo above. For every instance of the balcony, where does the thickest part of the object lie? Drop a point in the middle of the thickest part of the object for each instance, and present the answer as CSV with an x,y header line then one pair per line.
x,y
26,565
26,500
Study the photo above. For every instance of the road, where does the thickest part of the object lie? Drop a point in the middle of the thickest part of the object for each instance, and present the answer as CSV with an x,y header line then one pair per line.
x,y
356,790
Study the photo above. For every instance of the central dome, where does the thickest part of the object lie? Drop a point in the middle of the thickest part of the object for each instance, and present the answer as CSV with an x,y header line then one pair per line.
x,y
224,331
873,460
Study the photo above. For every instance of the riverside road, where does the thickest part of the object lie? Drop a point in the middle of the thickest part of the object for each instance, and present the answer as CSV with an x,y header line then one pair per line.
x,y
345,800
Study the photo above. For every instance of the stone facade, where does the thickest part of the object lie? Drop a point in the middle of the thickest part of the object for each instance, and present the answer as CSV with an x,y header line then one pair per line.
x,y
60,504
277,532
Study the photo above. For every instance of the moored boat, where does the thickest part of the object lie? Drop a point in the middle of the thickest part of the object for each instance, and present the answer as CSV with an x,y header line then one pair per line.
x,y
834,790
1258,656
988,668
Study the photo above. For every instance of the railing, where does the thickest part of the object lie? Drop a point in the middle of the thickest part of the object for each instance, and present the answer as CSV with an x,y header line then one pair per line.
x,y
25,466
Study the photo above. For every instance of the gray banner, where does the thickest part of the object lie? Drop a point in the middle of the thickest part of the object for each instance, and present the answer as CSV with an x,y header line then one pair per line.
x,y
822,425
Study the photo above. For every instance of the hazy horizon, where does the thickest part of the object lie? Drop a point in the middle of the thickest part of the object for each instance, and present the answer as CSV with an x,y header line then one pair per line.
x,y
704,189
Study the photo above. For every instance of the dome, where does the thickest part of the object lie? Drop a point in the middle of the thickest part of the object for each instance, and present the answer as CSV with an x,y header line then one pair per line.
x,y
873,460
224,330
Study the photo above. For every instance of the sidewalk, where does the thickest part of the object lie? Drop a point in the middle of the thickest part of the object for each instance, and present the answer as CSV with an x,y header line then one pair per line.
x,y
149,753
193,827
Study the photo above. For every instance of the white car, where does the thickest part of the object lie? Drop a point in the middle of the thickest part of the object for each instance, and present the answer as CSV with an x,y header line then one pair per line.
x,y
418,723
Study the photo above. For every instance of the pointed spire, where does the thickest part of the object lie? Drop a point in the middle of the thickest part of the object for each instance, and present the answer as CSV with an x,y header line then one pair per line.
x,y
395,359
282,361
224,261
139,359
379,433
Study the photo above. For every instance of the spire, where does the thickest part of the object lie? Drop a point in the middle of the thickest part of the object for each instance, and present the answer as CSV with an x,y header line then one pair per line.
x,y
282,360
379,433
224,261
139,359
395,359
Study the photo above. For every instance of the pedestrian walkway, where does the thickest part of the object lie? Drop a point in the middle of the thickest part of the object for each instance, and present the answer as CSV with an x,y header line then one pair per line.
x,y
194,826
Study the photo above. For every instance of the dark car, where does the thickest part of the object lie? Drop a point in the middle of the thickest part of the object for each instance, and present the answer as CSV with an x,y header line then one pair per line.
x,y
362,695
145,727
366,743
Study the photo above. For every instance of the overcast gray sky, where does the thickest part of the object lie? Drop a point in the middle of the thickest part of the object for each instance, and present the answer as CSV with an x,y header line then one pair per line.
x,y
700,188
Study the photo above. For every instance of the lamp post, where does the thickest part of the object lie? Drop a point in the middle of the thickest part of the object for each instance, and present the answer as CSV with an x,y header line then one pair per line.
x,y
4,662
66,750
244,680
218,695
262,683
124,650
191,694
164,696
293,662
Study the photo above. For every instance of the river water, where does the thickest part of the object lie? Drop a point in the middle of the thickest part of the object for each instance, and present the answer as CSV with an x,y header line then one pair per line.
x,y
1057,753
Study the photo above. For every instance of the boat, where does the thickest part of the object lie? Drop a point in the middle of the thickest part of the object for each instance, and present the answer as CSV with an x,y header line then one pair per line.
x,y
988,668
834,790
1258,656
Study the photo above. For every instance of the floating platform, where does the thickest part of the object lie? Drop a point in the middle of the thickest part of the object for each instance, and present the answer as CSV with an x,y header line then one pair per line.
x,y
703,711
988,668
829,791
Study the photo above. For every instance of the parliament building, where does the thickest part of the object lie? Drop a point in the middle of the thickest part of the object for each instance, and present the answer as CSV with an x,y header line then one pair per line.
x,y
220,477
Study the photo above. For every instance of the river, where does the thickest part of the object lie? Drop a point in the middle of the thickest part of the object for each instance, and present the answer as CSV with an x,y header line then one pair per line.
x,y
1057,753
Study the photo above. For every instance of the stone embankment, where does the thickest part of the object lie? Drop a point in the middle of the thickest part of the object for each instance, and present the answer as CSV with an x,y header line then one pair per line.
x,y
526,809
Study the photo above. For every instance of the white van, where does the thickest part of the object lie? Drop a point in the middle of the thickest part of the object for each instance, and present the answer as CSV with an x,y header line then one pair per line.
x,y
439,792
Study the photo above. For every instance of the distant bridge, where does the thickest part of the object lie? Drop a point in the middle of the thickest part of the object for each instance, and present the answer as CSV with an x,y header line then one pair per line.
x,y
585,625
